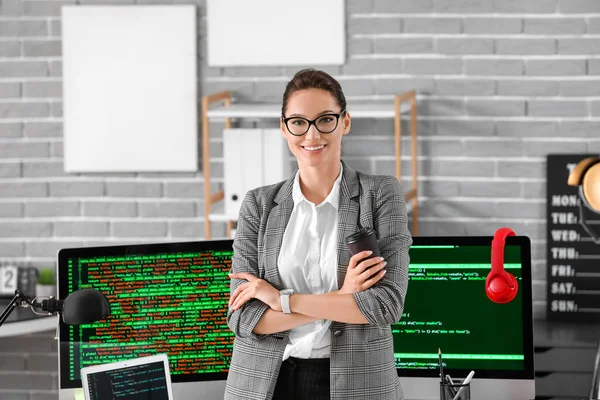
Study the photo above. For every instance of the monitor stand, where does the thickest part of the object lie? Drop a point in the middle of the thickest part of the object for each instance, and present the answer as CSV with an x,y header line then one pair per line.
x,y
210,390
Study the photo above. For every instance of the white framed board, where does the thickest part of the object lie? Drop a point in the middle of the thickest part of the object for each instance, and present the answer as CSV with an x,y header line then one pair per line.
x,y
275,32
130,88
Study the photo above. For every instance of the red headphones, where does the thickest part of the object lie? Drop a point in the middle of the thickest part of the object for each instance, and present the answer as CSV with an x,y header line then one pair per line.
x,y
500,286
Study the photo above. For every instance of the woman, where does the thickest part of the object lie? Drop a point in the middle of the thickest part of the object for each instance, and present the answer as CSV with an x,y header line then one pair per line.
x,y
310,321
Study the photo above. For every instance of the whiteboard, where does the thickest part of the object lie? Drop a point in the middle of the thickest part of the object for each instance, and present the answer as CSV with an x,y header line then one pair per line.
x,y
129,88
275,32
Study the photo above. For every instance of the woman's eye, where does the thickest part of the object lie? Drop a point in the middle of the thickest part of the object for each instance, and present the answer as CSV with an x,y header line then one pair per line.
x,y
298,122
326,120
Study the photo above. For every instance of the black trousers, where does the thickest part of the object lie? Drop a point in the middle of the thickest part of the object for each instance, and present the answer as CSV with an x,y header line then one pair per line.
x,y
303,379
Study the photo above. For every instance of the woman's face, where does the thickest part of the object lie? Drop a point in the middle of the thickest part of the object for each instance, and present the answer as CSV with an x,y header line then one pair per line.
x,y
315,148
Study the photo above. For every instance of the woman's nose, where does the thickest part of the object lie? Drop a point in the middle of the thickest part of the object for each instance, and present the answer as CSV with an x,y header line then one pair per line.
x,y
313,133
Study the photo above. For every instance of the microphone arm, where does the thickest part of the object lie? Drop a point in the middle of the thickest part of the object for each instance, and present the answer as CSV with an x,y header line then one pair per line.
x,y
18,300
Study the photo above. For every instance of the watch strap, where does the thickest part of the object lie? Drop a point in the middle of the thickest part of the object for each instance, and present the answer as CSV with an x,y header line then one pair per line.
x,y
285,302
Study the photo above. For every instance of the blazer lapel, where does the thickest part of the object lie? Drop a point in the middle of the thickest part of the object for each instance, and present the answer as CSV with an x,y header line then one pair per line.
x,y
348,213
279,216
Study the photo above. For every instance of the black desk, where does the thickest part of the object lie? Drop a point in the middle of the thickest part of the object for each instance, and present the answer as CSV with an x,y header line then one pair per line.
x,y
564,352
564,358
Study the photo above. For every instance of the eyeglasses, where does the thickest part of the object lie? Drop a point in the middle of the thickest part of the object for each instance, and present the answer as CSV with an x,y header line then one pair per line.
x,y
325,123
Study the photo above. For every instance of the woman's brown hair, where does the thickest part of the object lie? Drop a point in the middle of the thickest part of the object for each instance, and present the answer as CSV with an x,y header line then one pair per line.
x,y
311,78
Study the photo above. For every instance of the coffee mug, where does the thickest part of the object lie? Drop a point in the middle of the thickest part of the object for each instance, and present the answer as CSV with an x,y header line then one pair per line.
x,y
364,239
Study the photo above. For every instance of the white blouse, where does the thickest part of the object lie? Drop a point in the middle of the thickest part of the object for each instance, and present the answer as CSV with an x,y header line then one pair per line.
x,y
308,264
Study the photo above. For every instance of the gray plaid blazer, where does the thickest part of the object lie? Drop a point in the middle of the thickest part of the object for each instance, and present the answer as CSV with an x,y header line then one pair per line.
x,y
362,356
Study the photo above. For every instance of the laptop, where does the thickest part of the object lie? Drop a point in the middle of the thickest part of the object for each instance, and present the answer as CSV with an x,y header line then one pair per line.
x,y
141,378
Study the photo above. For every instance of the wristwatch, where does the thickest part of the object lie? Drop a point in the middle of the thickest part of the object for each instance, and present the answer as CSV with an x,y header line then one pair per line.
x,y
284,296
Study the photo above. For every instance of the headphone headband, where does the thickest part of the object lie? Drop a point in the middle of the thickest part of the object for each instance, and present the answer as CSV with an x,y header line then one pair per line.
x,y
498,249
502,233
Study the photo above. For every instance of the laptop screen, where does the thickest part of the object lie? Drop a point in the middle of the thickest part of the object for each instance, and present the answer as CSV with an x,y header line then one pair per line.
x,y
128,381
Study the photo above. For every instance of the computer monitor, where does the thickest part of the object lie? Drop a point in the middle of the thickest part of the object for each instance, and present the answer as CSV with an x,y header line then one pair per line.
x,y
447,307
172,298
165,298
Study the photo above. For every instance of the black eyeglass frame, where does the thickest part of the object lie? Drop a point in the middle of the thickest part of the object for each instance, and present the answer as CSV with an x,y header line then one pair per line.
x,y
314,122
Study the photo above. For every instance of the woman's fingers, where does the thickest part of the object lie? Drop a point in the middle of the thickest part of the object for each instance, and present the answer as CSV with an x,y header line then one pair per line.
x,y
375,268
236,292
257,289
373,279
242,299
355,259
364,265
243,275
240,275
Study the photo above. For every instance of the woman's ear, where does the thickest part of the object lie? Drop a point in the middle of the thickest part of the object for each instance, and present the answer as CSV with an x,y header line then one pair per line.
x,y
282,127
346,122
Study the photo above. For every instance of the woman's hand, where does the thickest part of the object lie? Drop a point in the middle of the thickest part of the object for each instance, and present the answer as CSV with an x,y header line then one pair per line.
x,y
255,288
364,275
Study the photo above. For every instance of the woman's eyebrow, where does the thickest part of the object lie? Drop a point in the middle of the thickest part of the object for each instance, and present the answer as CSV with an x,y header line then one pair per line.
x,y
321,113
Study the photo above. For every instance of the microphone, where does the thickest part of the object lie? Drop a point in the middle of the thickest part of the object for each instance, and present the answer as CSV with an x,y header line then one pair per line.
x,y
80,307
85,306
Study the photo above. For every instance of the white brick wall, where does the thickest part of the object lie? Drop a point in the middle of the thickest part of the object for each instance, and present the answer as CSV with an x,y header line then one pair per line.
x,y
501,83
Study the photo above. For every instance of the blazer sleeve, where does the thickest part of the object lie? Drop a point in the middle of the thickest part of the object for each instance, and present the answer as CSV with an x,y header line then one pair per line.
x,y
245,259
383,303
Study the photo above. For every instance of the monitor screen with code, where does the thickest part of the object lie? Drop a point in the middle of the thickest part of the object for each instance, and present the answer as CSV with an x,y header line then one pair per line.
x,y
164,298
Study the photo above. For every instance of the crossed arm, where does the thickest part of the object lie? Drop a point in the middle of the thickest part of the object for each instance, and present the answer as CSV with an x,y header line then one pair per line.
x,y
338,306
374,296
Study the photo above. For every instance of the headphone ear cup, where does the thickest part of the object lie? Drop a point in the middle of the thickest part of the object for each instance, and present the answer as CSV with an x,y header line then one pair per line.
x,y
501,288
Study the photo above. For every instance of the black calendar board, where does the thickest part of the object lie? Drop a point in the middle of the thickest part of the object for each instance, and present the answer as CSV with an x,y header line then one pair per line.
x,y
573,254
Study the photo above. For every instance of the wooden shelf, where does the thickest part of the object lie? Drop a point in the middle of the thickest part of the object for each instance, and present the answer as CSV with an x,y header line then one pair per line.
x,y
405,104
273,111
222,217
